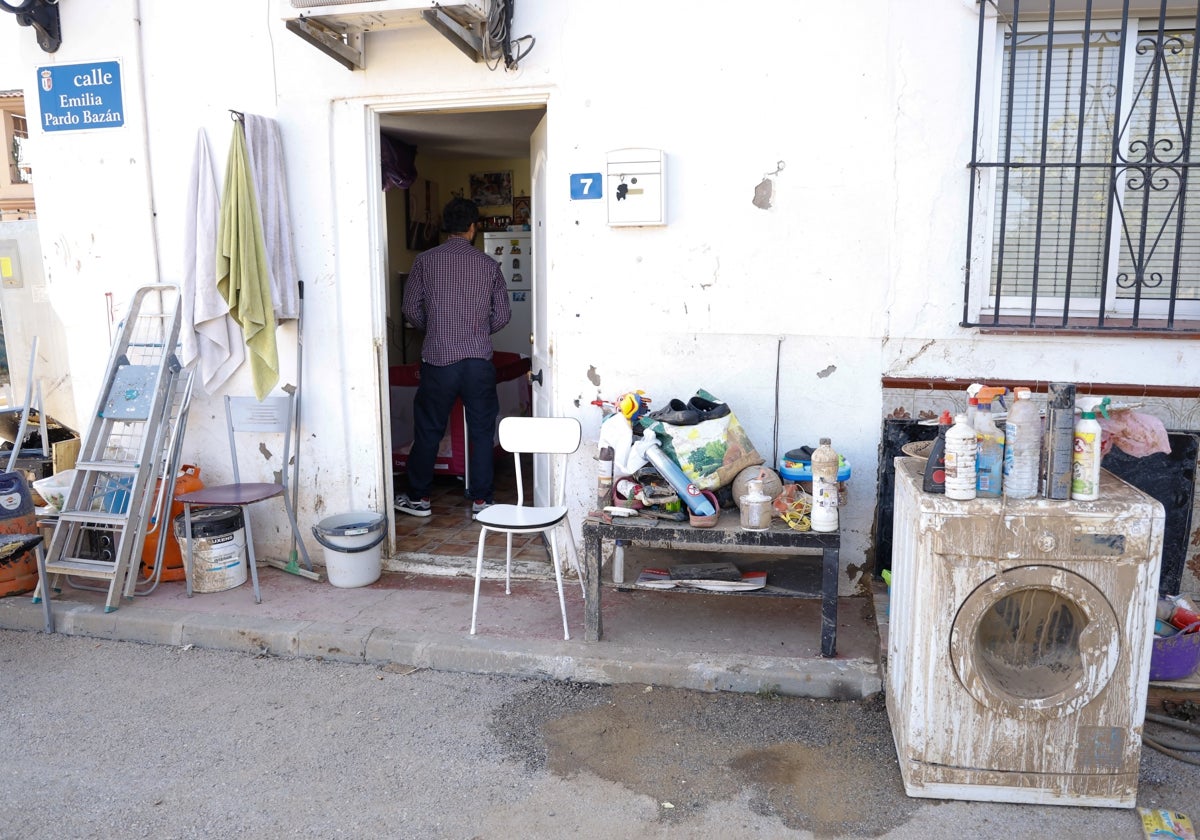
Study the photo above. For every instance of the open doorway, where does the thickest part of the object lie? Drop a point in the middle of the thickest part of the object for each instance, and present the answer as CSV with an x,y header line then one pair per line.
x,y
483,155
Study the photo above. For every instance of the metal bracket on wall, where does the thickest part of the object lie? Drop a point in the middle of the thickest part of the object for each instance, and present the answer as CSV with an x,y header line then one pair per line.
x,y
344,47
339,28
42,15
463,38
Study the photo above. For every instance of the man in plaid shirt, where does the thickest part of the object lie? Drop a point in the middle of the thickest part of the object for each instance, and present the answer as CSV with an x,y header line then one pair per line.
x,y
456,294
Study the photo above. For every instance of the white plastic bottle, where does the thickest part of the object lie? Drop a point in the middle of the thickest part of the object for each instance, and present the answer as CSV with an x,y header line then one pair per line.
x,y
960,460
1085,465
824,516
1022,447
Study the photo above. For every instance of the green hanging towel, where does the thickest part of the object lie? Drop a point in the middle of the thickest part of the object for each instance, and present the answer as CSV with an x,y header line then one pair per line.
x,y
242,274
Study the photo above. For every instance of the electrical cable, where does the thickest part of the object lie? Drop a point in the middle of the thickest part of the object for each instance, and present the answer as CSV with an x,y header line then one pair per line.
x,y
1175,751
498,43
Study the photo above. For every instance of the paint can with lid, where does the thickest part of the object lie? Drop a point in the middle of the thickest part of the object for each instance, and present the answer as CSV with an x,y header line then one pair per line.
x,y
219,551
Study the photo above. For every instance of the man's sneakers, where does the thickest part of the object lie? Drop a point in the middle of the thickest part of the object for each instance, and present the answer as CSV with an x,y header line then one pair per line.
x,y
479,506
413,507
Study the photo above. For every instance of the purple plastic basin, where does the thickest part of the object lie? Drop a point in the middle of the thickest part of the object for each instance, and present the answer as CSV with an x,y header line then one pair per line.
x,y
1175,657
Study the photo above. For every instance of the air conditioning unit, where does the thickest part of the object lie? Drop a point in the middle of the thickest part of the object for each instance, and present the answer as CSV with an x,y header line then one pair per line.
x,y
338,27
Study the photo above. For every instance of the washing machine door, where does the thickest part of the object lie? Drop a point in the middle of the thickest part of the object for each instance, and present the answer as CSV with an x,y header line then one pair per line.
x,y
1035,642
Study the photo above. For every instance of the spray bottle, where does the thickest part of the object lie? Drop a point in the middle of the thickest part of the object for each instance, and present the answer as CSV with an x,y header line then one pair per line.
x,y
1085,466
989,460
973,402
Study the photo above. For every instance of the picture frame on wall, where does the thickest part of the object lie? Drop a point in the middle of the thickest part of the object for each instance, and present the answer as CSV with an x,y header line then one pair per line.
x,y
491,189
520,210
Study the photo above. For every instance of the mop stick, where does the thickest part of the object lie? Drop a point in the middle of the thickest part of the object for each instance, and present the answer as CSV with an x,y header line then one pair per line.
x,y
296,453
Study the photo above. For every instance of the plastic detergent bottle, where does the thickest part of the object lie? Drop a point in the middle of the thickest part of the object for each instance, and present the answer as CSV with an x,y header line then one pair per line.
x,y
989,458
1022,447
935,467
824,516
1085,466
960,460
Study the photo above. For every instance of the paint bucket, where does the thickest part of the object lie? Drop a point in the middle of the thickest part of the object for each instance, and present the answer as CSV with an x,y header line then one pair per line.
x,y
1175,657
351,542
219,554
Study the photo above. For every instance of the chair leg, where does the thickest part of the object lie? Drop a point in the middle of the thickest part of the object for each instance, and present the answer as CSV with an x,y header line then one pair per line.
x,y
43,587
478,575
250,555
575,554
188,566
508,566
562,601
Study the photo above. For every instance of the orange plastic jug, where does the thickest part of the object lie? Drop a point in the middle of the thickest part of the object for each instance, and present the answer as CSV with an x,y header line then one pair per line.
x,y
187,481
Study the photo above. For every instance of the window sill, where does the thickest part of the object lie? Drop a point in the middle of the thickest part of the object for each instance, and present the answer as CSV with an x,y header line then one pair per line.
x,y
1185,328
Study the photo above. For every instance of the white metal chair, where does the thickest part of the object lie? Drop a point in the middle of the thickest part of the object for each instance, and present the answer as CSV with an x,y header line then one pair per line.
x,y
273,415
555,437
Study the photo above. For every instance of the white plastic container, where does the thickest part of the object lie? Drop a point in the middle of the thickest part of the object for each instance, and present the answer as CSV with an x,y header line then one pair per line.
x,y
755,507
351,542
1085,466
1022,447
824,516
960,460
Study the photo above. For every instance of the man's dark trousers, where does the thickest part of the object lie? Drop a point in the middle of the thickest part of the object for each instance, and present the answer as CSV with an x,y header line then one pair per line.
x,y
474,382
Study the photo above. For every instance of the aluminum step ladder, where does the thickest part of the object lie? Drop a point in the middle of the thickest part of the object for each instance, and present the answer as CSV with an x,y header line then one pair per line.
x,y
101,530
170,465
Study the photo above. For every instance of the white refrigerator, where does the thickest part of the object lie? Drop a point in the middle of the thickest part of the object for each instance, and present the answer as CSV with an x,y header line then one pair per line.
x,y
512,249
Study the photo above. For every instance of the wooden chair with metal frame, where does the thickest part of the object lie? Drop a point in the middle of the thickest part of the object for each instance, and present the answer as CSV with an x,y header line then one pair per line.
x,y
555,437
273,415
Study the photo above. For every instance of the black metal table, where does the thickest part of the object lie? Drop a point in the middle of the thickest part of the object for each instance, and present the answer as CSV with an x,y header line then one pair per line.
x,y
727,534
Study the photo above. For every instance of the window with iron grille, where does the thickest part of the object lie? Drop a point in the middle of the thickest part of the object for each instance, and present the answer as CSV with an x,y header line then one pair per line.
x,y
1085,203
22,173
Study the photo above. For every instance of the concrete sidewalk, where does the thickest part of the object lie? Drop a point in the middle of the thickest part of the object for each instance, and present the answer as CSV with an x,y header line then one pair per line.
x,y
709,642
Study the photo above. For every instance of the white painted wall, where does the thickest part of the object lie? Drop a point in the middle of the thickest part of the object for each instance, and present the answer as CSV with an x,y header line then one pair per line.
x,y
854,273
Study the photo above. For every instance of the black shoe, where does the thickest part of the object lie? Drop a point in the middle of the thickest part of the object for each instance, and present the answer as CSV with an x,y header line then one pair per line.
x,y
707,409
677,414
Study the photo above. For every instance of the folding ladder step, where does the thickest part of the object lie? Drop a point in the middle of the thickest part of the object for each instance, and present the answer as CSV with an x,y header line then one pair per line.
x,y
82,567
119,467
94,517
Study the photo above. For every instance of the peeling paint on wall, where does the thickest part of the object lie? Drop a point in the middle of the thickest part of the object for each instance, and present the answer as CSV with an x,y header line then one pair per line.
x,y
593,377
821,374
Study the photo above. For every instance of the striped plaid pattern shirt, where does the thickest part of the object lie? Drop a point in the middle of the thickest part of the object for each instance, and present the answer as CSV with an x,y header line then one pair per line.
x,y
456,294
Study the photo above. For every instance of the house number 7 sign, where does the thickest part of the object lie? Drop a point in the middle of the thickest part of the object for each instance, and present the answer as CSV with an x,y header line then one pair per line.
x,y
586,185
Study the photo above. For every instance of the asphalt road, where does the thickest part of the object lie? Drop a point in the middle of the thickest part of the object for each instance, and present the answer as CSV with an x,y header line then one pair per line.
x,y
102,739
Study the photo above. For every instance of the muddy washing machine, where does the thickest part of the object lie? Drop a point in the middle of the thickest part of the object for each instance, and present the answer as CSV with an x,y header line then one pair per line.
x,y
1019,643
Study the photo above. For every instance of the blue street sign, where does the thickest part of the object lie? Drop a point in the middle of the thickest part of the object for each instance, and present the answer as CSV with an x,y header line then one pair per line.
x,y
74,97
586,185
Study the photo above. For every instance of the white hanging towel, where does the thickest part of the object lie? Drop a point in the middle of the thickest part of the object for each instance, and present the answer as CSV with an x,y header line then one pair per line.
x,y
265,148
208,333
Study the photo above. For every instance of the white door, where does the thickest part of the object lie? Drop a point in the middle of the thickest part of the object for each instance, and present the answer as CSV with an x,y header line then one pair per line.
x,y
541,366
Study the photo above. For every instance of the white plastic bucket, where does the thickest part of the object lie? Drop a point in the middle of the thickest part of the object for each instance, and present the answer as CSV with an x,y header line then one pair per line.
x,y
351,542
219,554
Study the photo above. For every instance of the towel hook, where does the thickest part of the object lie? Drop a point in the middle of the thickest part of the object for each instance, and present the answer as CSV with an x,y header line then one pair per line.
x,y
236,116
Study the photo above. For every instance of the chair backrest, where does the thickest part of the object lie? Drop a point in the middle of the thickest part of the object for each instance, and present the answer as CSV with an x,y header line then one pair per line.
x,y
557,435
552,436
273,415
